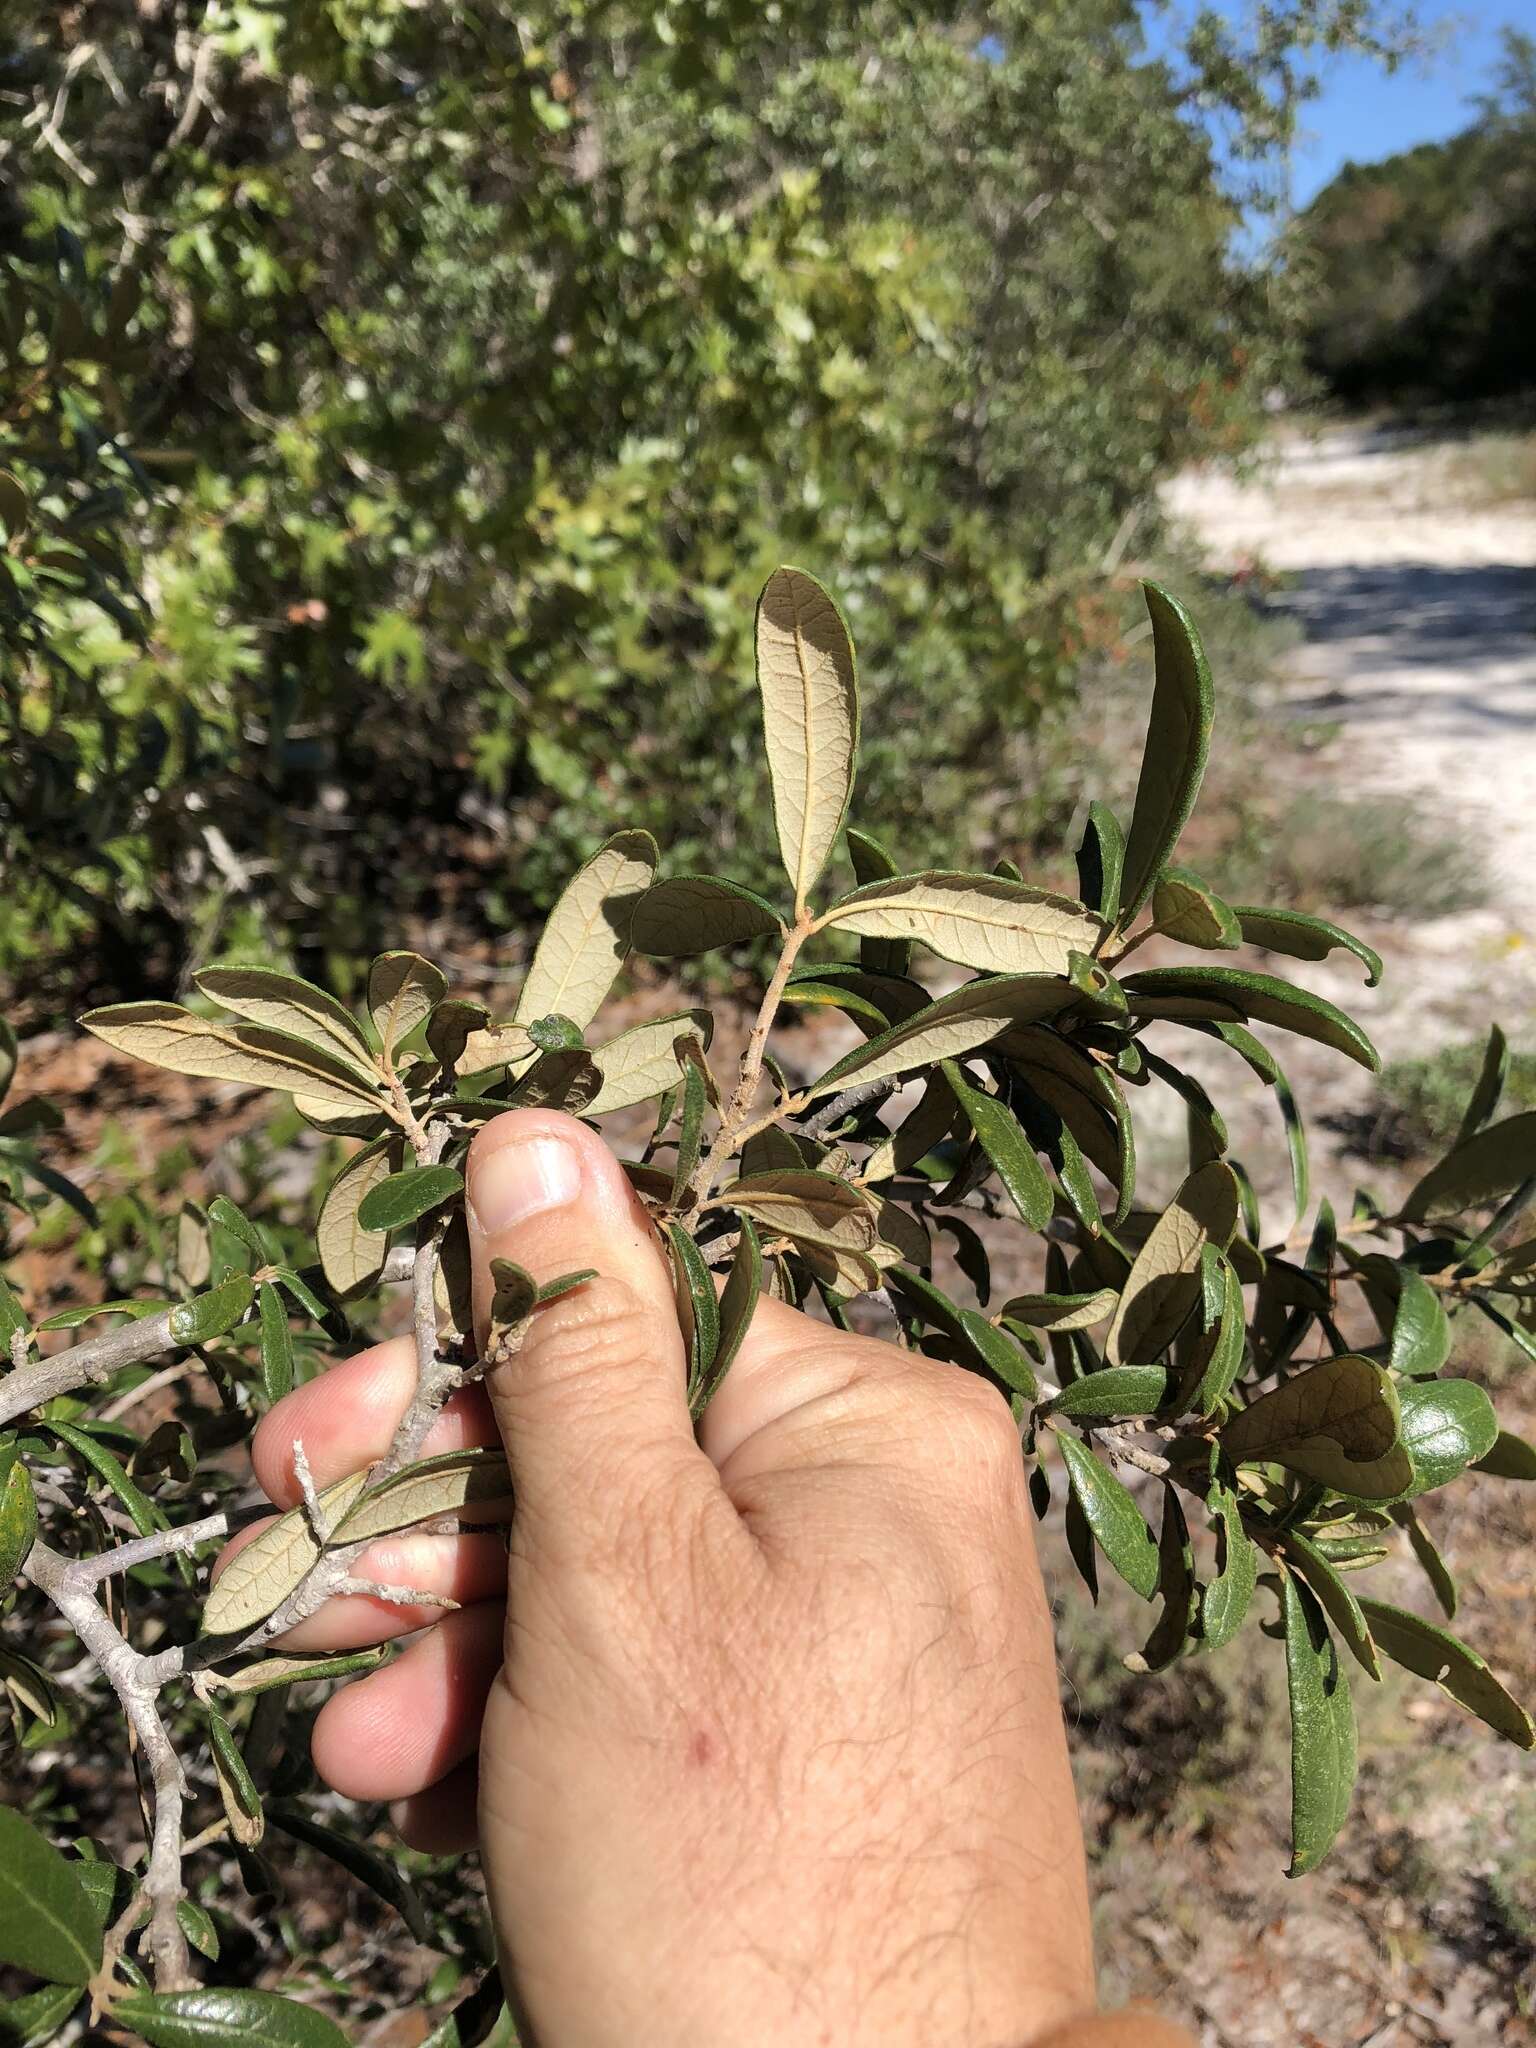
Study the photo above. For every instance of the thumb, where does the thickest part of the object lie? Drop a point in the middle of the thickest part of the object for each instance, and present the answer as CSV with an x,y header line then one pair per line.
x,y
593,1408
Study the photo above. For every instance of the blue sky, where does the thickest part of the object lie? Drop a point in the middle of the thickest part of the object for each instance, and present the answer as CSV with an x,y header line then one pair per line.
x,y
1365,113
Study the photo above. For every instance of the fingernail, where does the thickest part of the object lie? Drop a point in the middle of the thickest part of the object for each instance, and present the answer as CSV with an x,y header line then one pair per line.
x,y
523,1178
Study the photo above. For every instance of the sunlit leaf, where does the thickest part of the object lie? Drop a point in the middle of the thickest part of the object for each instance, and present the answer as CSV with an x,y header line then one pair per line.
x,y
402,1198
403,991
46,1923
259,1578
955,1024
353,1257
808,681
1111,1513
1062,1311
1188,909
283,1001
872,863
1434,1653
1336,1600
1119,1390
689,914
1213,994
1225,1601
1304,938
468,1483
978,920
815,1207
209,2018
1337,1422
1178,740
1446,1426
1003,1140
237,1789
642,1062
166,1035
1164,1283
276,1344
1322,1728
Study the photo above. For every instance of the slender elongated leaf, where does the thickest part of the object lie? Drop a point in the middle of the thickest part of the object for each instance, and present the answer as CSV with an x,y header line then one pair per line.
x,y
1051,1133
1178,741
1117,1390
276,1344
807,678
351,1256
18,1515
1113,1516
46,1923
1335,1598
142,1512
1268,1069
1178,1588
1434,1653
272,1672
1101,861
642,1063
702,1322
955,1024
738,1303
1322,1728
283,1001
1337,1422
1225,1602
403,991
872,863
1188,909
1058,1312
237,1788
166,1035
978,920
1510,1458
259,1578
402,1198
1216,994
1003,1140
1217,1356
1488,1087
695,913
1446,1426
1478,1171
472,1484
381,1874
1164,1283
1432,1564
1304,938
34,2018
919,1133
589,932
209,2018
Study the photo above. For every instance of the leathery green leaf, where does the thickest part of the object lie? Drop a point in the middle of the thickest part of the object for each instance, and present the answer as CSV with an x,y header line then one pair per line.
x,y
1477,1172
1002,1139
1488,1087
1225,1601
1117,1390
276,1344
1427,1552
1218,1355
1303,938
405,1197
210,2018
1510,1458
807,679
1214,994
1322,1728
1186,908
738,1303
1176,1584
695,913
46,1923
1446,1426
957,1023
1337,1422
693,1276
1164,1282
1434,1653
1113,1516
1053,1312
18,1516
1178,741
1335,1599
979,921
1101,861
210,1315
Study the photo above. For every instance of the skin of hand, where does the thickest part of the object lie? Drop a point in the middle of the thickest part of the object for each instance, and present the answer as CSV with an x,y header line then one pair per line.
x,y
757,1728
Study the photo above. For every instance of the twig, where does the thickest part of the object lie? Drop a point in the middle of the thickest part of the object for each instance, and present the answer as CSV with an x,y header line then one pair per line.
x,y
397,1596
726,1137
86,1365
90,1571
319,1521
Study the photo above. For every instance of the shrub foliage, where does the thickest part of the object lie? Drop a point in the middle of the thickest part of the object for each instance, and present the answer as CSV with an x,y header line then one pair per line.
x,y
1238,1419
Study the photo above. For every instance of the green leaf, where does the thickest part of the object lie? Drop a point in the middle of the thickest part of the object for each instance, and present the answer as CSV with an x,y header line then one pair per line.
x,y
1164,1282
1511,1458
816,1208
285,1003
998,1356
1303,938
690,1130
381,1874
1188,909
643,1062
403,991
452,1025
1179,1590
407,1196
1335,1598
1117,1390
30,2021
260,1577
1421,1333
237,1788
1218,1356
738,1304
1488,1087
703,1319
872,863
1225,1602
1113,1516
957,1023
980,921
276,1344
1002,1138
922,1131
1178,740
1048,1131
1056,1312
556,1034
1336,1422
223,1211
142,1511
166,1035
1101,861
1478,1171
1434,1653
352,1257
1213,994
1431,1562
208,2018
208,1316
1446,1426
272,1672
18,1515
469,1483
807,678
588,932
46,1922
690,914
1322,1729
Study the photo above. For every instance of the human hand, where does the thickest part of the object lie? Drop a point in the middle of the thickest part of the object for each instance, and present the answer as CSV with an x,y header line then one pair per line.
x,y
769,1748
